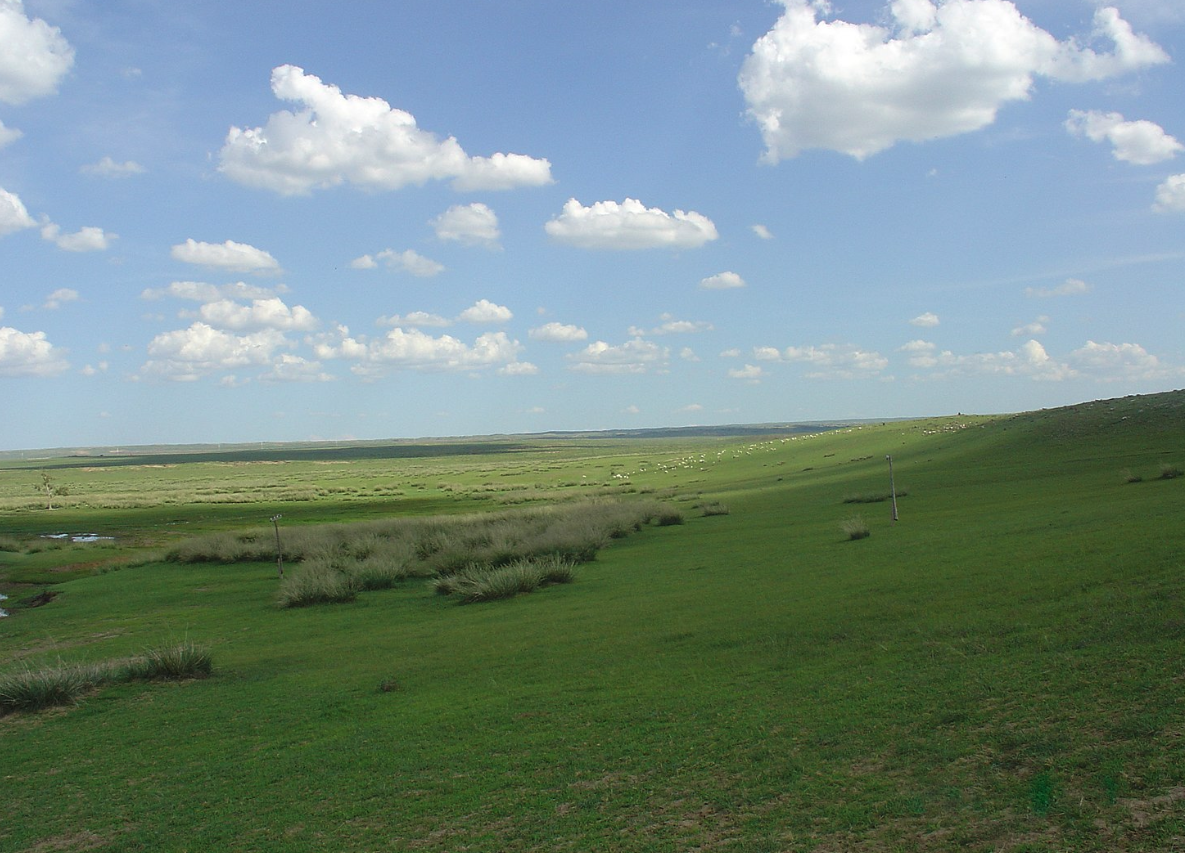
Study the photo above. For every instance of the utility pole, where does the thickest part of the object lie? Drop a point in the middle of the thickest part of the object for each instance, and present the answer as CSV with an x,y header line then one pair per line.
x,y
280,548
892,487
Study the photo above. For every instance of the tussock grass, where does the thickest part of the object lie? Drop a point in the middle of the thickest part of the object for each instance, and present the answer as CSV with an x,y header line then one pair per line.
x,y
35,689
485,583
711,508
871,497
855,528
1170,472
317,581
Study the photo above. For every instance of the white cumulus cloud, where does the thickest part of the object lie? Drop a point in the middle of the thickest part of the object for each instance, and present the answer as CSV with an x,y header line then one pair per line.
x,y
13,214
108,168
414,318
186,355
269,313
1114,362
925,321
671,326
336,138
60,297
35,56
722,281
1069,287
89,238
29,354
8,135
469,224
629,225
236,257
483,311
415,350
409,261
1170,197
1140,142
200,291
828,361
558,333
936,70
748,373
634,356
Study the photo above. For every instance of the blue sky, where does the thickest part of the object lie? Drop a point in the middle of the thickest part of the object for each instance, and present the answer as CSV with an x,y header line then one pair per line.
x,y
241,221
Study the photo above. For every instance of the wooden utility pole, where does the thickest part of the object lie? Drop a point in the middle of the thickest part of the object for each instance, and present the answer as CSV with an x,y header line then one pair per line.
x,y
892,487
279,548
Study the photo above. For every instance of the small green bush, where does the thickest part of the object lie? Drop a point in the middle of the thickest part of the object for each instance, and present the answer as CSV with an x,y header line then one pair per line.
x,y
1129,477
1170,472
856,528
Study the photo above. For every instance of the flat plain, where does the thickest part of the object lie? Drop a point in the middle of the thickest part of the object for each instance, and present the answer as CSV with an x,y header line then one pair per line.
x,y
1000,669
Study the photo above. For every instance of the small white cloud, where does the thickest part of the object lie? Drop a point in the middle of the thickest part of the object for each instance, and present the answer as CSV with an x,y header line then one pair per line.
x,y
86,239
632,410
762,232
408,261
722,281
1037,327
629,225
558,333
415,318
1069,287
925,321
828,361
29,354
336,139
232,256
1140,142
691,408
60,297
1170,197
688,354
920,353
484,312
518,368
108,168
198,291
13,214
635,356
470,224
749,373
731,353
671,326
287,367
35,56
8,135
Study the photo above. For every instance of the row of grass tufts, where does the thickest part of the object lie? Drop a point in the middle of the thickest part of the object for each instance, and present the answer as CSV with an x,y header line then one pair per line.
x,y
31,689
490,583
337,562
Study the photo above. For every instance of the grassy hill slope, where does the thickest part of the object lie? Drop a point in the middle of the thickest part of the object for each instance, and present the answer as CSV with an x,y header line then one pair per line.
x,y
1001,669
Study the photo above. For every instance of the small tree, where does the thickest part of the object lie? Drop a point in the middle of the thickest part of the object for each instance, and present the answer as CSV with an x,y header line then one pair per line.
x,y
51,489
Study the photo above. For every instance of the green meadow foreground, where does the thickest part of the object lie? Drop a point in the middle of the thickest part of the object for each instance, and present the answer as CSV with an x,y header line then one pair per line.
x,y
734,666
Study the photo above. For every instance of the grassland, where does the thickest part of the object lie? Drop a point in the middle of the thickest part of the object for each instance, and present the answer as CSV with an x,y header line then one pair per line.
x,y
1001,669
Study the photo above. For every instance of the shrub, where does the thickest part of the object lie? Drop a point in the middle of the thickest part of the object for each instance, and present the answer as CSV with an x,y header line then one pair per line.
x,y
7,543
1169,472
856,528
1129,477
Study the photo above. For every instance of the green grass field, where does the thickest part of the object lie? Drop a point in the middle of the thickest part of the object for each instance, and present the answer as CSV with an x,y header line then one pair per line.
x,y
1002,669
